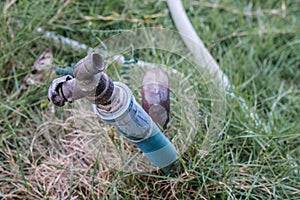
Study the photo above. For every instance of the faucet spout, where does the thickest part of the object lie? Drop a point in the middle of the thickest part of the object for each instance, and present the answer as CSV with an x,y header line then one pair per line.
x,y
88,67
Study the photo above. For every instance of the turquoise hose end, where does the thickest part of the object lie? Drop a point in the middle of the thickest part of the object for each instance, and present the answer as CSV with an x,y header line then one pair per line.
x,y
131,120
158,148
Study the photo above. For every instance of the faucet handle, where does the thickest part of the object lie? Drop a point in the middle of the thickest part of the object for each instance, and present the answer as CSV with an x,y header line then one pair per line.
x,y
56,93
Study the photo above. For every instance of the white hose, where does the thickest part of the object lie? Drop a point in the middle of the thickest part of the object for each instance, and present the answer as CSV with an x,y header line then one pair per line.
x,y
193,42
57,39
201,54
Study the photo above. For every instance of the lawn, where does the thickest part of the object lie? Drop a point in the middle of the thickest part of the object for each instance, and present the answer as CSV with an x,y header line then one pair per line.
x,y
49,152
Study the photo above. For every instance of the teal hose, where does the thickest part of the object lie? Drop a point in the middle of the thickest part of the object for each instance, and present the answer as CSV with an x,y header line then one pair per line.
x,y
69,70
63,71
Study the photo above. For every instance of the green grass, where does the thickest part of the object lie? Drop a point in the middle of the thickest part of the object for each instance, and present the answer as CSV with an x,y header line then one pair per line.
x,y
256,43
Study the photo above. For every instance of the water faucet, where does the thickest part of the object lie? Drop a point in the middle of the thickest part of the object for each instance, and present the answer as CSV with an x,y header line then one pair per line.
x,y
115,104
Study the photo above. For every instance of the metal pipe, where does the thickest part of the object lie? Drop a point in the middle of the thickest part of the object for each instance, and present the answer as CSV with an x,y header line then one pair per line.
x,y
88,67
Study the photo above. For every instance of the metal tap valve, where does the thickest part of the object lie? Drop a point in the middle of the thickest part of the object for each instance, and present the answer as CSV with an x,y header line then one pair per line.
x,y
89,82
